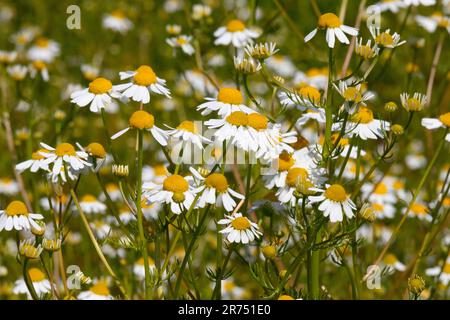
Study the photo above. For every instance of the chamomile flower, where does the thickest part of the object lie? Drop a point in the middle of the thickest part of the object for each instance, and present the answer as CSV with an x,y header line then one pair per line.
x,y
366,51
183,42
142,120
8,187
392,263
298,180
17,72
97,154
173,29
344,147
420,211
315,77
353,95
139,268
239,229
385,39
443,273
8,57
175,191
431,23
380,193
39,67
235,33
90,72
117,21
310,114
44,49
200,83
434,123
364,125
143,82
98,95
413,103
334,203
187,132
89,204
305,97
215,190
63,157
113,192
200,11
228,100
16,216
40,283
271,140
334,29
383,210
99,291
386,5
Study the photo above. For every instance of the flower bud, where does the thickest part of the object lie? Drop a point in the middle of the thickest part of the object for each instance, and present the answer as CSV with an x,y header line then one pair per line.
x,y
416,284
269,252
397,129
390,106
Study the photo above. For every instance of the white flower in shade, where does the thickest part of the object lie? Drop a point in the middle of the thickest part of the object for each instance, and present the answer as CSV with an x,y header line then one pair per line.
x,y
90,72
386,5
117,21
101,228
139,268
304,98
150,210
442,122
434,21
144,81
142,120
281,65
97,95
334,29
17,72
156,173
183,42
392,263
200,11
175,191
98,291
310,114
353,95
363,124
40,283
17,217
235,33
187,132
39,67
334,203
420,211
37,162
8,57
270,139
227,101
90,204
385,39
63,157
113,192
173,29
379,193
420,2
8,187
43,50
239,229
442,272
215,190
383,210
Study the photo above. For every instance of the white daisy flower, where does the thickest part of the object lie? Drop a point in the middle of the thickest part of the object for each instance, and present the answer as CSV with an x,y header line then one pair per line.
x,y
304,98
200,11
334,203
90,204
261,51
228,100
334,29
175,191
90,72
117,21
386,5
44,49
271,141
442,122
353,95
310,114
36,163
443,273
420,211
24,36
8,187
413,103
381,193
383,210
17,217
392,263
40,283
150,210
17,72
8,57
173,29
155,174
39,67
344,147
385,39
183,42
144,81
113,192
235,33
98,291
187,132
101,228
139,268
363,124
143,120
239,229
434,21
97,95
215,190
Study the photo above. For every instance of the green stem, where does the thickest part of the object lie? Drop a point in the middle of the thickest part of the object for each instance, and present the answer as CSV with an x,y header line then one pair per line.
x,y
315,269
328,110
28,282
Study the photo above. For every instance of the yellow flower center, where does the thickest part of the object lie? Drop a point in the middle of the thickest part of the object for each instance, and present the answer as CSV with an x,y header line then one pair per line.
x,y
296,176
384,39
257,121
36,275
237,118
217,181
235,26
16,208
352,94
381,189
314,72
398,185
390,259
285,297
160,170
100,289
141,120
42,42
285,161
365,51
329,20
144,76
419,209
39,65
187,126
336,192
445,119
88,198
446,269
240,223
96,149
377,206
413,104
111,187
310,93
100,86
176,184
118,14
151,262
65,149
364,115
230,95
37,156
181,41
